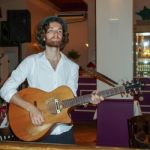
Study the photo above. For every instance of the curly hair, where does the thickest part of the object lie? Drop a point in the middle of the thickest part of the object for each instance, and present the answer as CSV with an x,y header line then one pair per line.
x,y
42,28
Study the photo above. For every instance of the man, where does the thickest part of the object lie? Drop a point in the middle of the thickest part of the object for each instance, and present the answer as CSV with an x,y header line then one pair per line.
x,y
46,70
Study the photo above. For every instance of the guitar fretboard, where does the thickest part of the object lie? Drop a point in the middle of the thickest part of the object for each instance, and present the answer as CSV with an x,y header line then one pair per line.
x,y
87,98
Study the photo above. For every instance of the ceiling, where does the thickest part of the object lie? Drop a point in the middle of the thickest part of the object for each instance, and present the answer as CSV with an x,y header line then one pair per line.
x,y
70,5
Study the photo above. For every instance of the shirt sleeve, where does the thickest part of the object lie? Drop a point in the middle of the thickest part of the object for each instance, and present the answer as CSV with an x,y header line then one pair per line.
x,y
14,81
73,79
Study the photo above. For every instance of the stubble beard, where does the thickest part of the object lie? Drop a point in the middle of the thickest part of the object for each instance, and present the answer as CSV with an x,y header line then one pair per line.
x,y
54,43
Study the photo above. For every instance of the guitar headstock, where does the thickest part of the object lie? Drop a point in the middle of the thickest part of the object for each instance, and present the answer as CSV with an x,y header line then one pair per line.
x,y
134,87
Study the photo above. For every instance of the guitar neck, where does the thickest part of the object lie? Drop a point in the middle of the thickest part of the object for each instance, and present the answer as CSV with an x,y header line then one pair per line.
x,y
112,91
87,98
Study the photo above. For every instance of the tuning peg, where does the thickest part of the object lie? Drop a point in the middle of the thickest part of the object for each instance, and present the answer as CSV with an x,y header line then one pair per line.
x,y
132,93
127,95
141,98
136,92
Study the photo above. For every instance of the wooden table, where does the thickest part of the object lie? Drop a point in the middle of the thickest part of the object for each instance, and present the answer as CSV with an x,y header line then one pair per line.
x,y
43,146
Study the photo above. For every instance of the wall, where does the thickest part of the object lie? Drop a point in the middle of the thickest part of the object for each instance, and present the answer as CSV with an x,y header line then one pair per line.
x,y
114,40
91,30
39,9
6,5
86,30
78,34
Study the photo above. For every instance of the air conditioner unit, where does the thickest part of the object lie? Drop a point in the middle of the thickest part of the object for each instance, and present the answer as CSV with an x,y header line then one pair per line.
x,y
73,16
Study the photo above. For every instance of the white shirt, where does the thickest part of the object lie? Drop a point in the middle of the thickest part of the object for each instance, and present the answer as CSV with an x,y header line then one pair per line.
x,y
40,74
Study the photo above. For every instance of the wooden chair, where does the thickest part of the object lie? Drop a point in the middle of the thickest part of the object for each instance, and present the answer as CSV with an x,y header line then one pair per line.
x,y
139,131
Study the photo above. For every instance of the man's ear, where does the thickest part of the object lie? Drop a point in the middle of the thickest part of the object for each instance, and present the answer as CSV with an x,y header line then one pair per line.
x,y
43,36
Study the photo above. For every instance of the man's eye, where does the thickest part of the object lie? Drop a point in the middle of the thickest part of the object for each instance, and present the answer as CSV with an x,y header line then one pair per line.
x,y
50,31
54,31
60,31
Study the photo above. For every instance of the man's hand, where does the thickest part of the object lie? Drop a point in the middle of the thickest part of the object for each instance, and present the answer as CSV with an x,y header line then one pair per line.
x,y
36,116
95,98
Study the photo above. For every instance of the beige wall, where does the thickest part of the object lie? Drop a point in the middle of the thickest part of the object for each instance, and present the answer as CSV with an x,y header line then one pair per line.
x,y
78,34
114,40
91,30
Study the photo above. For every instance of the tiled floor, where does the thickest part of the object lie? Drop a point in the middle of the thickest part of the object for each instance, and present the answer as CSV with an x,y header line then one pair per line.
x,y
85,133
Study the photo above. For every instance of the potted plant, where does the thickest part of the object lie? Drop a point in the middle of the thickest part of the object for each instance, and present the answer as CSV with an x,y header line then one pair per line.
x,y
74,55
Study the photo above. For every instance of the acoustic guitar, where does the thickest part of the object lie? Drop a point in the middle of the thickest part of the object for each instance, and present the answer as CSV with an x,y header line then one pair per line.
x,y
55,106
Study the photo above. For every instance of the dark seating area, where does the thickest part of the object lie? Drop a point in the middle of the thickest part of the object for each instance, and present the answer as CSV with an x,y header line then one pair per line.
x,y
139,131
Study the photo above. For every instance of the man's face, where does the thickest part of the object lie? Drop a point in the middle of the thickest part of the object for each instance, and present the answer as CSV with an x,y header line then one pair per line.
x,y
54,34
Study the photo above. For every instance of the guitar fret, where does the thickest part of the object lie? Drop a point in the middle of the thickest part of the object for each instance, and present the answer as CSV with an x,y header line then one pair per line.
x,y
112,91
116,90
122,89
77,100
86,98
103,93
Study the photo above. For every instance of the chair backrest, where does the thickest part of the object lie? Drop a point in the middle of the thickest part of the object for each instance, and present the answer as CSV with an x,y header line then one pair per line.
x,y
139,131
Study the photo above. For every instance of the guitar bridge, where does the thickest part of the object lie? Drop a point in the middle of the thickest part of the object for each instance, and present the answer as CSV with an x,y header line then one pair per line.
x,y
55,106
58,106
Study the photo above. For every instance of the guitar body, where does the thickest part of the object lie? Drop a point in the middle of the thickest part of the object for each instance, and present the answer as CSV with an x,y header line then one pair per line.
x,y
19,118
54,106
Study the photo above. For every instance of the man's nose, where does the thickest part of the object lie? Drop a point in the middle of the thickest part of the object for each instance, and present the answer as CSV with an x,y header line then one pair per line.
x,y
56,33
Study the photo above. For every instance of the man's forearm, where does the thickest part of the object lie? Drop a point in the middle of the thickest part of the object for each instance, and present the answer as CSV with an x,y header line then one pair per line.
x,y
16,99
